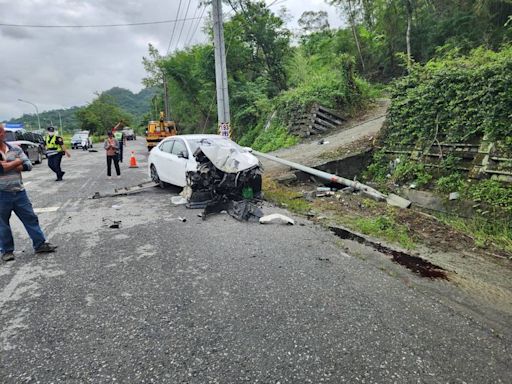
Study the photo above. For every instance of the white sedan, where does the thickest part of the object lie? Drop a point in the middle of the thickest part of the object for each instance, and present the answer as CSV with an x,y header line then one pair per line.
x,y
173,157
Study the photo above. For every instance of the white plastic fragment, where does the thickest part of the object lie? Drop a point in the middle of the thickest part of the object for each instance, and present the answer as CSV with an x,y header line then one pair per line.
x,y
178,200
454,196
277,218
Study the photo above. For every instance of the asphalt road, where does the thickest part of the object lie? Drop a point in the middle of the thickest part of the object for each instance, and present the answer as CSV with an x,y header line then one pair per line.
x,y
160,300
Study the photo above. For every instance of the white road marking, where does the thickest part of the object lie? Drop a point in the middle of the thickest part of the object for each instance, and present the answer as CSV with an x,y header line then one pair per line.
x,y
47,209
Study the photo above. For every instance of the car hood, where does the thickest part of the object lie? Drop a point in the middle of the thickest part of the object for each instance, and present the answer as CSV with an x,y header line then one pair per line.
x,y
227,157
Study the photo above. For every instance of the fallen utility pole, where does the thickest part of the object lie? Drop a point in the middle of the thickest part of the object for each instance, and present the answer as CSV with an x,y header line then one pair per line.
x,y
392,199
126,190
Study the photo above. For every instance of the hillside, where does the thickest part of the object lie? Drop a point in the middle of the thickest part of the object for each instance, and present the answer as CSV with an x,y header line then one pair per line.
x,y
136,104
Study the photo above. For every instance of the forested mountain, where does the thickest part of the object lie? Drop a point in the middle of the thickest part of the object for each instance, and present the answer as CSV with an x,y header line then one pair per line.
x,y
134,104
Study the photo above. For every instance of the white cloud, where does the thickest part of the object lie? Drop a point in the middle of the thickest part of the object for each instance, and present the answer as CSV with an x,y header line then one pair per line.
x,y
63,67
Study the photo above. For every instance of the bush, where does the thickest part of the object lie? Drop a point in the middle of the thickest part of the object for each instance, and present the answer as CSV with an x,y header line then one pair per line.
x,y
274,138
457,99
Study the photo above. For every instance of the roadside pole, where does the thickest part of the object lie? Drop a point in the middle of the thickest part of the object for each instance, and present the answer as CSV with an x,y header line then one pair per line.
x,y
221,75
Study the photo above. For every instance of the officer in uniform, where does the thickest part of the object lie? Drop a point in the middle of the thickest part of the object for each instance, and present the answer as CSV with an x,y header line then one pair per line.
x,y
55,149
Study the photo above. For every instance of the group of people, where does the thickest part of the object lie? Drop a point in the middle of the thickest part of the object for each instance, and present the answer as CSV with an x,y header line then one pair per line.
x,y
14,198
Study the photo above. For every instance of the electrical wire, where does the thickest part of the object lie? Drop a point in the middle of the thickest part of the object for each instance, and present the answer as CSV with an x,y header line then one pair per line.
x,y
96,25
197,26
173,29
191,26
182,26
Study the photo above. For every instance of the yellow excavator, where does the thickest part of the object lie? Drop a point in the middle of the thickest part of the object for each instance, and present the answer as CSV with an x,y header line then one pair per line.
x,y
159,130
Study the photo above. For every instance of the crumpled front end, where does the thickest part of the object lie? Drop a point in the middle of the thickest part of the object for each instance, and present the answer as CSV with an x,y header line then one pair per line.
x,y
227,178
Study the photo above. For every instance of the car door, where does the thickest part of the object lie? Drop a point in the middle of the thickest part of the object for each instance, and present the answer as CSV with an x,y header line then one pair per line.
x,y
163,160
180,156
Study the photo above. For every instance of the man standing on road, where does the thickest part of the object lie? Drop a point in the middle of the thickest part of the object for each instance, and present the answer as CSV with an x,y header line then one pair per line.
x,y
55,149
14,198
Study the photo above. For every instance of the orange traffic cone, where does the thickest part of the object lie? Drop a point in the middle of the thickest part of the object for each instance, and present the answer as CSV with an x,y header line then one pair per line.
x,y
133,161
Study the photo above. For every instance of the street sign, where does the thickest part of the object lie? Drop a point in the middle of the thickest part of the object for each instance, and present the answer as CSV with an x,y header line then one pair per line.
x,y
14,125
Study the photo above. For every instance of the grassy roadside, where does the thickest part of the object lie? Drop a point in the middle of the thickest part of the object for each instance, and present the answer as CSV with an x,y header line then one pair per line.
x,y
406,228
383,226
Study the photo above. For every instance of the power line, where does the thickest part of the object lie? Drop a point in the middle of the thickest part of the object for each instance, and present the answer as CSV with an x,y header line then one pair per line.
x,y
174,28
97,25
191,26
182,25
197,26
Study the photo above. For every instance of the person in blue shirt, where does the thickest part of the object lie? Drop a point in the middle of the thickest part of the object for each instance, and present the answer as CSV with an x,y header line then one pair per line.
x,y
14,198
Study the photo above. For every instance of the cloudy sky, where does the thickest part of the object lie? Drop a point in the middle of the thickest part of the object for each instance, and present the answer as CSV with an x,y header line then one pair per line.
x,y
63,67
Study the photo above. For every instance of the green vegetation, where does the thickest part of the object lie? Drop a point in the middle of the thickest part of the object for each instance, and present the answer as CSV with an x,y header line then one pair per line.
x,y
285,198
484,232
101,115
453,99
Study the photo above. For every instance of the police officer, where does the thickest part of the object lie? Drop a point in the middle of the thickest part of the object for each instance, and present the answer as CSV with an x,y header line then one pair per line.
x,y
55,149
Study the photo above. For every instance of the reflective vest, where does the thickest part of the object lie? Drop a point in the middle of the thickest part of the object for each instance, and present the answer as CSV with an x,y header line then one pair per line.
x,y
118,135
51,144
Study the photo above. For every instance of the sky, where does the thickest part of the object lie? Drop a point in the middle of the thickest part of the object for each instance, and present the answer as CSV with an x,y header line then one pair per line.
x,y
56,68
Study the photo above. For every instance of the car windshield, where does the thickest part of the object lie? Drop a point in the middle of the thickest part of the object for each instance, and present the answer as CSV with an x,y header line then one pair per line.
x,y
10,136
79,136
195,143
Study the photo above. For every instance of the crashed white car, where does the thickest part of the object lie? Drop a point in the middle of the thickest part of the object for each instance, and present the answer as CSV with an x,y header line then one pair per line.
x,y
171,160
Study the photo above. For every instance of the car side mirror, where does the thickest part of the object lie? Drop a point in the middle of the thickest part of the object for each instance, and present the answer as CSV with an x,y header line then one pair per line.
x,y
182,155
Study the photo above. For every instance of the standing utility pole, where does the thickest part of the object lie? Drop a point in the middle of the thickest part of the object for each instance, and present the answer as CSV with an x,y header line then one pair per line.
x,y
166,97
221,75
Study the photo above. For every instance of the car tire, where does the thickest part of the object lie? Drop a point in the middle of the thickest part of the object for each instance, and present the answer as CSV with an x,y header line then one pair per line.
x,y
39,159
155,178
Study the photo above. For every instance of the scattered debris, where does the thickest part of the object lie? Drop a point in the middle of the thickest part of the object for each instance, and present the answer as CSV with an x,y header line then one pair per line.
x,y
454,196
117,207
114,224
398,201
323,258
178,200
126,190
277,218
322,142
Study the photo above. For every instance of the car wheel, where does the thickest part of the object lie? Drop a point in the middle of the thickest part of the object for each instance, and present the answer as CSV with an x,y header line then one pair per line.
x,y
155,177
39,159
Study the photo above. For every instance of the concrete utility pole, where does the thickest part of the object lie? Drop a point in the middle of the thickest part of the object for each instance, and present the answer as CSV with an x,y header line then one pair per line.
x,y
166,98
221,74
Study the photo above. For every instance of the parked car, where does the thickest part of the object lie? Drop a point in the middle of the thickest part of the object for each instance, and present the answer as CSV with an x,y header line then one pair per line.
x,y
37,138
173,157
129,134
33,150
80,138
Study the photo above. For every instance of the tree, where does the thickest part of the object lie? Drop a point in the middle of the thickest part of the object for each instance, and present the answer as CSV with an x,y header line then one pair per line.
x,y
312,21
101,115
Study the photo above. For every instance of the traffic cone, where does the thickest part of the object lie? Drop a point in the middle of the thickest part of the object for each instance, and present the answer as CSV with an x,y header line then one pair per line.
x,y
133,161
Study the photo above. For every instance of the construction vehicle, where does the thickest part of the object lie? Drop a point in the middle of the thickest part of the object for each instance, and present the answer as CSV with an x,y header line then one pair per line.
x,y
159,130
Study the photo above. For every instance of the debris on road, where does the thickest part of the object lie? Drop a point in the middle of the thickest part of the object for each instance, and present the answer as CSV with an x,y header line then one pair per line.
x,y
116,224
178,200
228,179
277,218
126,190
454,196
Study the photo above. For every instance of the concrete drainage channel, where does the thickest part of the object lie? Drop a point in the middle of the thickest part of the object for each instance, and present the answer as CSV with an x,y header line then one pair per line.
x,y
413,263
